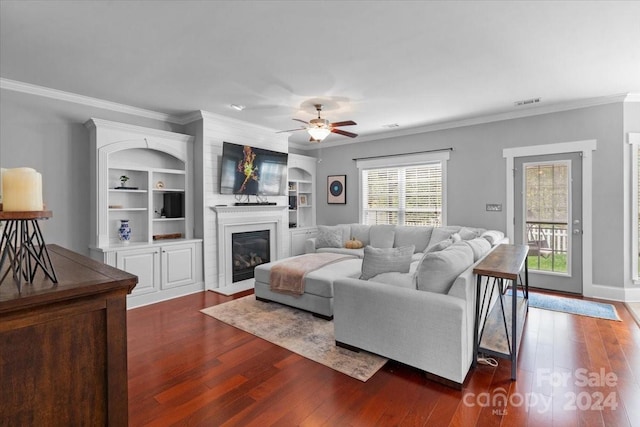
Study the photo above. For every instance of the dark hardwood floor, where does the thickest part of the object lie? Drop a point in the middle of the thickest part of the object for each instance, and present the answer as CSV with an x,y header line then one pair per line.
x,y
186,368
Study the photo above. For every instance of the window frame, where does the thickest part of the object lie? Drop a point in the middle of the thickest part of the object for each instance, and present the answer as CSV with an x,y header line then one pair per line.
x,y
397,161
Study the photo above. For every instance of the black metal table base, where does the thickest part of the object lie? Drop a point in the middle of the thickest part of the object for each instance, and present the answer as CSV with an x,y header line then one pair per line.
x,y
24,249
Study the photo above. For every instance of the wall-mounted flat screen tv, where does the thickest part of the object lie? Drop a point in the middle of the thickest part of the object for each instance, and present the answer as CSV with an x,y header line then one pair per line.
x,y
253,171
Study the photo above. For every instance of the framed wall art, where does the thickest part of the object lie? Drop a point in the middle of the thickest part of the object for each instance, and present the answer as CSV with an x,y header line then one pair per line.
x,y
337,189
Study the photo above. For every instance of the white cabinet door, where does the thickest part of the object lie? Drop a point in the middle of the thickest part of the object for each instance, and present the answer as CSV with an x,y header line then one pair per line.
x,y
144,263
178,265
298,237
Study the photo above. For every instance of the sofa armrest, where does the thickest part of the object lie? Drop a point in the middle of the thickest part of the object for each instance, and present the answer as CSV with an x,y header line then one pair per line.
x,y
422,329
310,245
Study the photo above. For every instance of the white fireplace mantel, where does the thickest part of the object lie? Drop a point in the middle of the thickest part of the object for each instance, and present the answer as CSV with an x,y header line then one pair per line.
x,y
238,219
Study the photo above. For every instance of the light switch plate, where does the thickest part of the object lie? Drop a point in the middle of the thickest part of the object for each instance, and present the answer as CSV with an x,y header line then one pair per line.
x,y
494,207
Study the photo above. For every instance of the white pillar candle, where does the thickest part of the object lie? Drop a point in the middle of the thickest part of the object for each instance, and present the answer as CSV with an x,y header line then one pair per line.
x,y
21,190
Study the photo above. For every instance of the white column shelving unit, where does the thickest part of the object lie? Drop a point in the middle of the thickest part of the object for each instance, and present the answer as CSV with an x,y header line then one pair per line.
x,y
302,201
162,251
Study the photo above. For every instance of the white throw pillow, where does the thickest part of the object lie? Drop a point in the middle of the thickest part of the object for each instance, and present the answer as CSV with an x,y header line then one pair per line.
x,y
329,237
493,236
438,270
467,233
384,260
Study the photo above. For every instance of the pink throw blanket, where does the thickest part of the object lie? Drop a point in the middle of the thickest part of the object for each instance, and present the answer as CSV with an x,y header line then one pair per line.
x,y
288,276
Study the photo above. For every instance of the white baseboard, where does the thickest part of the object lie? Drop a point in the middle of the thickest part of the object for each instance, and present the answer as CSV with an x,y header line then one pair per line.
x,y
615,293
135,301
235,287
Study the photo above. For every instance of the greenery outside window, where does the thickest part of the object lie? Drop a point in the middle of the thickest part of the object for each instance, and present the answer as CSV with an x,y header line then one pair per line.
x,y
404,190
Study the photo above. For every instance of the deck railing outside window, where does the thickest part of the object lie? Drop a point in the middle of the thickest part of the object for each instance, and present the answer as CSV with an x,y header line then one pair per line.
x,y
548,246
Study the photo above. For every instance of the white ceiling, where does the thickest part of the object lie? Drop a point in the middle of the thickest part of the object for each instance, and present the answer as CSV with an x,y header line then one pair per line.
x,y
414,63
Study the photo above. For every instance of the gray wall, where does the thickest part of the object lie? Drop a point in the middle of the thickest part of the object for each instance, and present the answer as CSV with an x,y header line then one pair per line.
x,y
476,173
49,136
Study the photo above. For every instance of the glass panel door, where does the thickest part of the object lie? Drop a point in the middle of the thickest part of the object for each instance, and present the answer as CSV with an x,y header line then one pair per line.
x,y
548,218
546,189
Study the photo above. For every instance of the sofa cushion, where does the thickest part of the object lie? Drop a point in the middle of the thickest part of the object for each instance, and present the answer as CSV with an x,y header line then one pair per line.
x,y
401,280
320,282
440,246
382,236
493,236
385,260
360,232
416,257
329,236
438,270
356,252
467,233
479,246
417,236
441,233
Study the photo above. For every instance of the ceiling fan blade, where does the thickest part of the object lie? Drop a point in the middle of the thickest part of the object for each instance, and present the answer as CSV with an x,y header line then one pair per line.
x,y
291,130
345,123
344,132
301,121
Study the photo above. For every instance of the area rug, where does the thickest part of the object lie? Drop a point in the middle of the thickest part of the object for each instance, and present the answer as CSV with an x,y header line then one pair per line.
x,y
297,331
572,306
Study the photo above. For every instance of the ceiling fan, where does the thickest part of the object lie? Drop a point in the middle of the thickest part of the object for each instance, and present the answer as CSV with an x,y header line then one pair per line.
x,y
320,128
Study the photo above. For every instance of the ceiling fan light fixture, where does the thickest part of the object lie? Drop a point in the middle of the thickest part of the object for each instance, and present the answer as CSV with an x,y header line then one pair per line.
x,y
319,133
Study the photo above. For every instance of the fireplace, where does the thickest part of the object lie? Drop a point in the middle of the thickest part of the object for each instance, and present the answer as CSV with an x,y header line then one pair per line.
x,y
232,220
249,249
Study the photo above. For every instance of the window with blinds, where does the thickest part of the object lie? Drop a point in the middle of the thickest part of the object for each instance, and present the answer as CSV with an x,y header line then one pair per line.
x,y
406,195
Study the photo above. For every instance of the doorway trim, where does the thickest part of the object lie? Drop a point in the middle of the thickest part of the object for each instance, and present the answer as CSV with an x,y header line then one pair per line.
x,y
586,148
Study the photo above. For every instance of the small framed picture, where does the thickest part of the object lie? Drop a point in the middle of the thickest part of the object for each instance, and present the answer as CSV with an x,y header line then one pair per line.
x,y
303,200
337,189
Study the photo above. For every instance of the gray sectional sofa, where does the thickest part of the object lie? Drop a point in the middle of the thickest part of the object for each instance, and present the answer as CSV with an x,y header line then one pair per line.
x,y
408,294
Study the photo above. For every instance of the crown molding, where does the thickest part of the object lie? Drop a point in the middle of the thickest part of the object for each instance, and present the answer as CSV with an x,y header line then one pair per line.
x,y
88,101
472,121
218,118
31,89
95,123
632,97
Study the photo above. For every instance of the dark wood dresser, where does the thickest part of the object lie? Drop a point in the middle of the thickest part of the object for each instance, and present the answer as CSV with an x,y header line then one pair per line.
x,y
63,347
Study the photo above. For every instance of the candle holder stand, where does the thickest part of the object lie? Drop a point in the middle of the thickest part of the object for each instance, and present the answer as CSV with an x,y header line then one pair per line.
x,y
22,246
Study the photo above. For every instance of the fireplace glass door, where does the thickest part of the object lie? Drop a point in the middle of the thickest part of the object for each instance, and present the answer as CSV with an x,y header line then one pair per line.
x,y
249,249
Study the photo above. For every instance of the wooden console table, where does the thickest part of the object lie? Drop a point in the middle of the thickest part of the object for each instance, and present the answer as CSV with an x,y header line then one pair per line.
x,y
63,346
502,329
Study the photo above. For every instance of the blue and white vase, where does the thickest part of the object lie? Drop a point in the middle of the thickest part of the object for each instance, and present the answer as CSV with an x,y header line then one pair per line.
x,y
124,232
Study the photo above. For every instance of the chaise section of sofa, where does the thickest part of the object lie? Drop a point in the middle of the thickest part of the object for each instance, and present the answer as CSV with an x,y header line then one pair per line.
x,y
431,330
318,295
